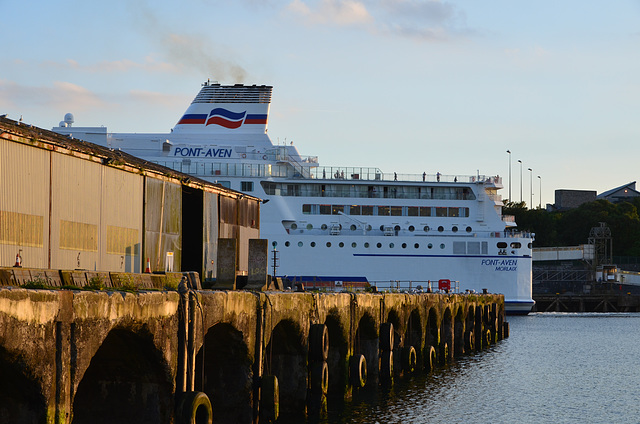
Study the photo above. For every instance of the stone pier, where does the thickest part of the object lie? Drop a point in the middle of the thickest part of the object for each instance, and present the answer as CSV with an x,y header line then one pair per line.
x,y
74,356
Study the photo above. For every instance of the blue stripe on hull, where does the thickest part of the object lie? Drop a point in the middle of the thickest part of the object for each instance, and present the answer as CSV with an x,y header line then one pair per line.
x,y
439,256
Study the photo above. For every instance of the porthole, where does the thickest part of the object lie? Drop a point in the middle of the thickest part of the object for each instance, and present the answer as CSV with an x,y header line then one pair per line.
x,y
382,228
441,228
366,245
404,245
454,229
416,245
391,245
501,245
328,244
469,229
323,227
530,246
441,245
287,244
274,244
300,244
516,245
341,244
294,226
379,245
353,227
426,228
368,227
313,244
429,246
396,228
412,228
354,245
309,226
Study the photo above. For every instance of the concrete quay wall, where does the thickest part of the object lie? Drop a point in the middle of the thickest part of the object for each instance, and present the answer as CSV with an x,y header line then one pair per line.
x,y
166,357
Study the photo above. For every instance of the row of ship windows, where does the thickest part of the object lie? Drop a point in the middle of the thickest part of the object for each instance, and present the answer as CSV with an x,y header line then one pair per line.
x,y
370,210
458,247
354,245
367,191
368,227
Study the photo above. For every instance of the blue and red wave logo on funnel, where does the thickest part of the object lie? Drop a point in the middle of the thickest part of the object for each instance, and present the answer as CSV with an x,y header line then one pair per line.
x,y
223,117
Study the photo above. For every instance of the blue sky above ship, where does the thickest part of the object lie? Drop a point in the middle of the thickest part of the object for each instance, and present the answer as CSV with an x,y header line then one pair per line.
x,y
405,85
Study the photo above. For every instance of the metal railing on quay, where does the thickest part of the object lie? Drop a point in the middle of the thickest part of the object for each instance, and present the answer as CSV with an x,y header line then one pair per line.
x,y
415,286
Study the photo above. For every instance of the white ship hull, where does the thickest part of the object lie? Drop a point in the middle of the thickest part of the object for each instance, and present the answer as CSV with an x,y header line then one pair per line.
x,y
340,226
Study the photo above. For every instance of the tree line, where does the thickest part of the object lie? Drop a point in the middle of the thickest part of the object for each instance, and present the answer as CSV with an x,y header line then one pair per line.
x,y
571,227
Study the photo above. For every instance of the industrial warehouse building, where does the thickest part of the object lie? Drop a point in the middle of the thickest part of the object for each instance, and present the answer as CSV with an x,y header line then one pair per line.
x,y
69,204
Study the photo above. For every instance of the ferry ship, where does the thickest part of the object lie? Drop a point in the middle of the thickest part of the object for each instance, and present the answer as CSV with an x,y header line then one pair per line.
x,y
341,226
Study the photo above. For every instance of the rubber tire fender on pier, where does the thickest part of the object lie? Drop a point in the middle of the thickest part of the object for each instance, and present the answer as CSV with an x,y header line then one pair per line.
x,y
431,359
409,359
358,371
488,337
269,398
470,342
505,329
386,366
320,378
386,336
318,342
191,407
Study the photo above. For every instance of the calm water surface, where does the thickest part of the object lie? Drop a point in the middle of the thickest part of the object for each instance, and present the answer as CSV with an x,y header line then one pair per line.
x,y
555,368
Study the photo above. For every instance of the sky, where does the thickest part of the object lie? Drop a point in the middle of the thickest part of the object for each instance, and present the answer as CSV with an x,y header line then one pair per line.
x,y
407,86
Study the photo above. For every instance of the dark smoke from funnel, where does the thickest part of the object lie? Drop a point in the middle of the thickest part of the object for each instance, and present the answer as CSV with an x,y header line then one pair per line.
x,y
190,51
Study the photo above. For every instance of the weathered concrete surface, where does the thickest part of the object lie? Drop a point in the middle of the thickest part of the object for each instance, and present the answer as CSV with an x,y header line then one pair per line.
x,y
115,357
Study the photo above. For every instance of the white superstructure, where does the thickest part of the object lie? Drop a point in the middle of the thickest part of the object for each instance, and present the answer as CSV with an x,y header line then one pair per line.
x,y
342,224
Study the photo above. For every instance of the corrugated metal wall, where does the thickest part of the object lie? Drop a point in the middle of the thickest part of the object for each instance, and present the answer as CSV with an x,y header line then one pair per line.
x,y
75,212
24,204
121,229
163,223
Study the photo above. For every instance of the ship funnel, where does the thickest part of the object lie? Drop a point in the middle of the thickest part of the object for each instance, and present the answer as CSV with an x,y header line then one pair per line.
x,y
227,109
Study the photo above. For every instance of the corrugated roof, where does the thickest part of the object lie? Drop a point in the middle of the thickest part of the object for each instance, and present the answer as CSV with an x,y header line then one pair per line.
x,y
49,140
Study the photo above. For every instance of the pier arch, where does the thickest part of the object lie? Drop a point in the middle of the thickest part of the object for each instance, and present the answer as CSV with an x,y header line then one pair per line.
x,y
446,342
227,374
458,333
412,339
22,400
286,358
432,339
336,360
366,343
127,381
469,336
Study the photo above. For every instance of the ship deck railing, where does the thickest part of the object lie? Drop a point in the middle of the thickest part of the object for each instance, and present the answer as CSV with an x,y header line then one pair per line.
x,y
297,170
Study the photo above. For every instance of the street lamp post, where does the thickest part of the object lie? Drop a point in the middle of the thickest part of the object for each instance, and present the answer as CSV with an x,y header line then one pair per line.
x,y
530,188
540,191
510,199
520,162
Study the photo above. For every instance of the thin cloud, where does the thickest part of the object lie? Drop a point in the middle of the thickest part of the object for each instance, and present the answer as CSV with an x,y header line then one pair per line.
x,y
149,65
332,12
60,94
431,12
424,20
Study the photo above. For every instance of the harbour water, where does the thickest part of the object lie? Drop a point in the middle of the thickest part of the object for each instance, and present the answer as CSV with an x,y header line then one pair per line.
x,y
554,368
